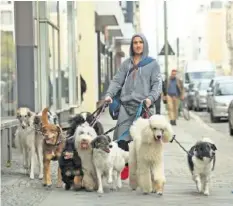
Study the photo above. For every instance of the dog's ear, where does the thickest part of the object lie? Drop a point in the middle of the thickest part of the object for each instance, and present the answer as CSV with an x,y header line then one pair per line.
x,y
18,115
213,147
109,139
59,130
94,143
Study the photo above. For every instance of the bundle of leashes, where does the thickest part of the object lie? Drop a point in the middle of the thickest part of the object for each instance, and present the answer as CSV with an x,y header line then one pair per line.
x,y
142,111
98,113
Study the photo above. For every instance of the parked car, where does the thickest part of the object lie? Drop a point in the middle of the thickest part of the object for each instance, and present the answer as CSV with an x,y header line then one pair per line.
x,y
200,95
230,117
211,87
190,94
221,97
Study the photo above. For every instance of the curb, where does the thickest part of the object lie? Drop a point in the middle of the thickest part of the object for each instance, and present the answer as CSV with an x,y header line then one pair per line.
x,y
200,121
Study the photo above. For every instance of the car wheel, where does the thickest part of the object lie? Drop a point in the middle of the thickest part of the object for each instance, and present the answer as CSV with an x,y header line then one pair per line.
x,y
213,118
230,129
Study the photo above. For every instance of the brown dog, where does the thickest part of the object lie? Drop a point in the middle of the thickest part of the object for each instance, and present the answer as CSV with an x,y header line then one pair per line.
x,y
52,148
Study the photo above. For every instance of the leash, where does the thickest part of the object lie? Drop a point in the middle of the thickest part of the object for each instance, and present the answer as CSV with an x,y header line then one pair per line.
x,y
100,110
141,106
138,114
177,142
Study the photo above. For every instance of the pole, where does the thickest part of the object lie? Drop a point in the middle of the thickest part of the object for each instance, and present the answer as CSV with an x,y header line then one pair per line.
x,y
165,39
178,51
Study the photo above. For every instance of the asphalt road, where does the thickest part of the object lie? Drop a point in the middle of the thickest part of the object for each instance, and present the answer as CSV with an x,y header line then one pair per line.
x,y
221,126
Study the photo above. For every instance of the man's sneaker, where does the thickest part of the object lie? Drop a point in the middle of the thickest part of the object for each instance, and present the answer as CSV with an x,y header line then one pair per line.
x,y
125,173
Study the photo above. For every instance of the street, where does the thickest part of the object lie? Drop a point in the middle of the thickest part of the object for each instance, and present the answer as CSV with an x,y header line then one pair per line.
x,y
17,189
221,126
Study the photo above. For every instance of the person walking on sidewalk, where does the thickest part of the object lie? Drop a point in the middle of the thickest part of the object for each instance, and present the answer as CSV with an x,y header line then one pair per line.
x,y
136,83
143,83
173,92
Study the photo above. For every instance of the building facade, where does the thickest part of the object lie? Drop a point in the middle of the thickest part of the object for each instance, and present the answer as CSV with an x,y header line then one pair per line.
x,y
229,34
46,47
209,34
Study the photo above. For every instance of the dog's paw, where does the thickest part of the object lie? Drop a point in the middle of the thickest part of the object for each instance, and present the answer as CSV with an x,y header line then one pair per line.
x,y
32,177
48,187
206,193
110,180
59,185
159,193
67,187
41,176
100,191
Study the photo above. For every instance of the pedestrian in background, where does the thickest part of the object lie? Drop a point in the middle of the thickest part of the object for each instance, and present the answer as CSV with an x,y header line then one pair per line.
x,y
173,92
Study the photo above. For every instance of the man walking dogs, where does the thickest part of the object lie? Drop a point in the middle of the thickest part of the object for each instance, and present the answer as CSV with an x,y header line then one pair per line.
x,y
138,79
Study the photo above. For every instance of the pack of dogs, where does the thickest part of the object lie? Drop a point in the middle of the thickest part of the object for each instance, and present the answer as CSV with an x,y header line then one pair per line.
x,y
87,158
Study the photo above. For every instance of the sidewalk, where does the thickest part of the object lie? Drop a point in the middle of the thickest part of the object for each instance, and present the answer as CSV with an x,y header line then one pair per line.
x,y
179,189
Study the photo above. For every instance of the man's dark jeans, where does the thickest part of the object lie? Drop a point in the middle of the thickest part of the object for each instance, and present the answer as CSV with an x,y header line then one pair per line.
x,y
158,105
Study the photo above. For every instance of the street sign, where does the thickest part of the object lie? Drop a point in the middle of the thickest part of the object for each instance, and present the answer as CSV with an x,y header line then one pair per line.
x,y
170,51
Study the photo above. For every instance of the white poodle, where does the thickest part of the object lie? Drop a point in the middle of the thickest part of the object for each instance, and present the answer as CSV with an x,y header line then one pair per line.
x,y
146,164
84,135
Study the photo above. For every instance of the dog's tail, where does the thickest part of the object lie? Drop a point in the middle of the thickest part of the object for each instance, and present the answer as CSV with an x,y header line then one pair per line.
x,y
44,118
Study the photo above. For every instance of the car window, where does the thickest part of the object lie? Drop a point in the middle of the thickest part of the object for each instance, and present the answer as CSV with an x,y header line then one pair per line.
x,y
224,89
203,85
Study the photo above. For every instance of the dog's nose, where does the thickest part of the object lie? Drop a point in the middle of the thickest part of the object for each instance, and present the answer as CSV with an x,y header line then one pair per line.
x,y
110,146
159,136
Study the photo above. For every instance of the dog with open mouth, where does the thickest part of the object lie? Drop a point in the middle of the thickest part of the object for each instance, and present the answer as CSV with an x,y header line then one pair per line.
x,y
201,162
53,144
70,165
109,161
84,135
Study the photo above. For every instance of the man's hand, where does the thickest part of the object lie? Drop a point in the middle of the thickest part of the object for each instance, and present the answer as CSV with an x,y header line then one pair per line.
x,y
148,102
108,99
182,98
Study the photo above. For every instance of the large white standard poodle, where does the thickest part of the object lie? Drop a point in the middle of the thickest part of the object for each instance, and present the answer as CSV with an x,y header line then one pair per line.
x,y
146,164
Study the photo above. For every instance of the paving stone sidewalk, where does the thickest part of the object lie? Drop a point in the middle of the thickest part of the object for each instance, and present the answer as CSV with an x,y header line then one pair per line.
x,y
179,189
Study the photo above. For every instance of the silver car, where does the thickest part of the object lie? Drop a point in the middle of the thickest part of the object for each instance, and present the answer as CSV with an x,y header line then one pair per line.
x,y
211,87
221,98
200,102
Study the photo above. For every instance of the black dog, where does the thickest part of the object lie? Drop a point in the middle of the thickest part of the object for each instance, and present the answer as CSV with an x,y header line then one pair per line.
x,y
70,164
80,119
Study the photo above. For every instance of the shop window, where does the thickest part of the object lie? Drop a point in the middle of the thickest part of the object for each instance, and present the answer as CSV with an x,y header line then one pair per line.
x,y
8,75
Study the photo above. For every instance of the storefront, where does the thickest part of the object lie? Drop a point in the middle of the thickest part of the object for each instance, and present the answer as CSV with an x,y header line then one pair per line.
x,y
35,69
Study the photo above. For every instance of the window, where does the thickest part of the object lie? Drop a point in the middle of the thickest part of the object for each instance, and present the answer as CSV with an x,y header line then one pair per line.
x,y
224,89
5,2
216,5
6,18
8,75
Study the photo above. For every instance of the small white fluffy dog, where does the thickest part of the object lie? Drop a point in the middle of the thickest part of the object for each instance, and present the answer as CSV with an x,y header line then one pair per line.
x,y
146,166
201,161
84,135
29,141
109,161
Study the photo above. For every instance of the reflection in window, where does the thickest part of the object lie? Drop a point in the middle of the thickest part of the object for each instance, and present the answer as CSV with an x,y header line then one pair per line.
x,y
192,76
216,5
8,75
204,85
6,18
52,7
225,89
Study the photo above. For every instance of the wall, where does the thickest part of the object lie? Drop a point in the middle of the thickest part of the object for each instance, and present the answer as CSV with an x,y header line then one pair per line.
x,y
215,37
87,52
